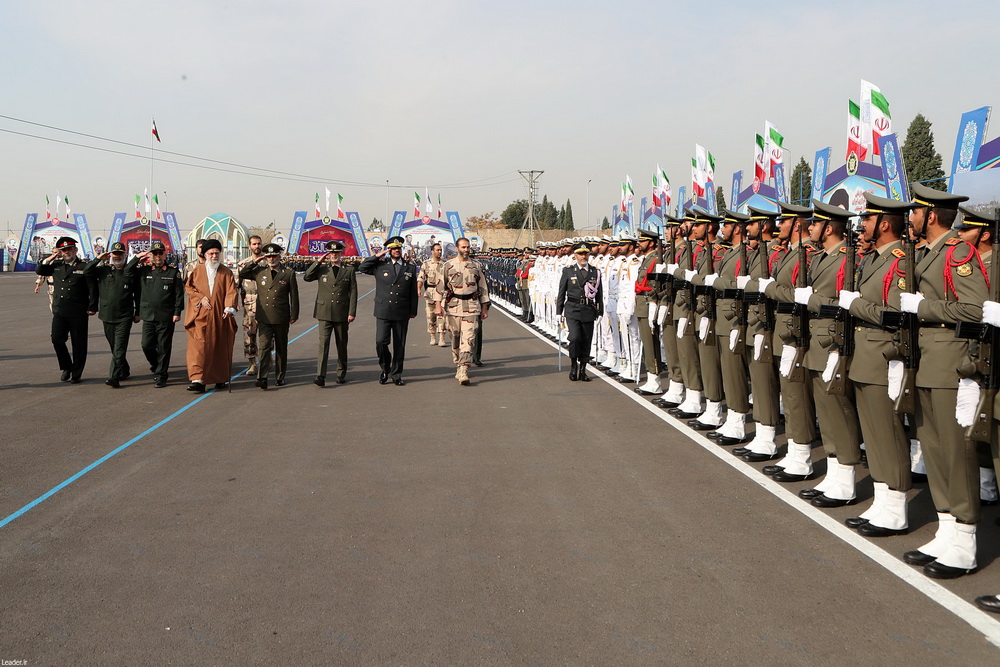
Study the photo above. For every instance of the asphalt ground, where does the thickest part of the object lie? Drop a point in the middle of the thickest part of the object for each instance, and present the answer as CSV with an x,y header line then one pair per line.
x,y
521,520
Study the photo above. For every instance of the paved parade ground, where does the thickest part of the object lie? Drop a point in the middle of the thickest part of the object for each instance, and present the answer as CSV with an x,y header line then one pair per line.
x,y
523,519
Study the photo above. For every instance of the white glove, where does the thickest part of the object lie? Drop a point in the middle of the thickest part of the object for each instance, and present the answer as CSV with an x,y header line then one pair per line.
x,y
762,283
710,279
681,326
661,315
689,274
991,313
908,303
847,298
758,346
652,313
660,268
802,295
703,328
967,402
894,376
831,365
787,359
671,268
741,281
734,334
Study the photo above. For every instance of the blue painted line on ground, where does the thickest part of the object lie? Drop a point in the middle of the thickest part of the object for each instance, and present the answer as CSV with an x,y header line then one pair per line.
x,y
62,485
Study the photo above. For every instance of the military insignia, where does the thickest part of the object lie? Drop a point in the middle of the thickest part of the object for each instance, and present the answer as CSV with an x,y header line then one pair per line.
x,y
385,275
898,252
263,281
964,269
844,249
324,278
901,283
953,241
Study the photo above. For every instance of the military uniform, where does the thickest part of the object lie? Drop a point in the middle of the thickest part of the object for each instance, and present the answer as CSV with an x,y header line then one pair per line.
x,y
649,331
248,294
462,294
579,299
74,295
277,307
118,304
336,300
395,305
161,300
709,361
430,275
684,331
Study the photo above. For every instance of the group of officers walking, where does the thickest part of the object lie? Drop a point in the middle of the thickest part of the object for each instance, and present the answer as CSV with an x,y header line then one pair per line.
x,y
849,332
149,290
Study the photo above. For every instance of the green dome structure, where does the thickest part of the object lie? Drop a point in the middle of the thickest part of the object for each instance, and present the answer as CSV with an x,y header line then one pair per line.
x,y
224,228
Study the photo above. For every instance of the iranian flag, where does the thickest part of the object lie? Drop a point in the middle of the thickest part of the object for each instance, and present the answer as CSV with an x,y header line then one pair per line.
x,y
440,212
629,192
156,200
340,206
66,200
664,186
773,146
138,213
710,170
656,189
328,193
759,161
416,205
854,144
875,119
48,213
428,204
697,184
318,214
622,203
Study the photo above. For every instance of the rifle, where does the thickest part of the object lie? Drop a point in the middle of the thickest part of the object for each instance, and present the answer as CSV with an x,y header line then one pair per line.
x,y
799,324
739,298
710,297
907,328
843,327
688,285
984,347
668,294
766,354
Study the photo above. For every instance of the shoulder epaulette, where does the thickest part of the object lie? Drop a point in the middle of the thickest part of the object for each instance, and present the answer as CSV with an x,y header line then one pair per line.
x,y
899,252
844,249
953,241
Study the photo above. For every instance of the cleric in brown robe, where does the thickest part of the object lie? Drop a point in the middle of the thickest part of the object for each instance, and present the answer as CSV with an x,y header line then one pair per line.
x,y
212,301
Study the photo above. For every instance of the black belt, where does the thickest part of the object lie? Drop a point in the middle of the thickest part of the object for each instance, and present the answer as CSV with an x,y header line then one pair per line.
x,y
466,297
938,325
584,300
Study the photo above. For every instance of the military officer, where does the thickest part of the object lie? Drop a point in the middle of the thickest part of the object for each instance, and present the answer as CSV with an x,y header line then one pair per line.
x,y
428,278
395,306
683,314
523,272
336,306
277,309
118,305
248,293
645,310
73,301
463,295
161,301
579,302
950,288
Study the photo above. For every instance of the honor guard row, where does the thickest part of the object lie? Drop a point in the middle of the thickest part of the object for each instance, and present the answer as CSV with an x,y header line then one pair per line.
x,y
873,337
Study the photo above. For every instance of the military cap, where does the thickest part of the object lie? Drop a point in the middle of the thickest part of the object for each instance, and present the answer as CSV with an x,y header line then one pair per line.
x,y
689,216
334,246
793,211
875,205
395,242
157,247
118,246
606,239
65,242
211,244
645,234
582,250
732,216
271,250
759,214
931,198
823,211
973,220
702,216
671,220
628,238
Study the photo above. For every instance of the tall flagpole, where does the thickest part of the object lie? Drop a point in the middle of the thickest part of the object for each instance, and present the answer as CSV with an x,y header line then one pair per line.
x,y
151,137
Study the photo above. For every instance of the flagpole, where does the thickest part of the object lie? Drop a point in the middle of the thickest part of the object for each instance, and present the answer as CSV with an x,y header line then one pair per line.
x,y
151,137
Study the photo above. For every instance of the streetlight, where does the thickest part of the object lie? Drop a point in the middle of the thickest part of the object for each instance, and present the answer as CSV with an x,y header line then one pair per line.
x,y
588,199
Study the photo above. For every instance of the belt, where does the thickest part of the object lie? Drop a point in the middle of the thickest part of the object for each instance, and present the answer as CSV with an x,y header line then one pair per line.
x,y
466,297
430,284
938,325
573,299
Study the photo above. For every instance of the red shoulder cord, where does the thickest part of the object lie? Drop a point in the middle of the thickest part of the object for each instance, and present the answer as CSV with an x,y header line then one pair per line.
x,y
893,272
950,263
840,274
718,253
773,258
642,285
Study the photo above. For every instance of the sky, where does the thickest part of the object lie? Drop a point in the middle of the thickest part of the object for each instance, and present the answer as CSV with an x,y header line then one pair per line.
x,y
448,95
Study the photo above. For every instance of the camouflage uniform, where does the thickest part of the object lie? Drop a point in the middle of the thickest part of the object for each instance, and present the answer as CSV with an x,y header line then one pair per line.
x,y
462,294
248,294
430,276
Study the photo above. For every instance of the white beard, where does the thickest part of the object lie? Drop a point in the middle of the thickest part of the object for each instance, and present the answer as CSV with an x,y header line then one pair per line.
x,y
213,264
117,263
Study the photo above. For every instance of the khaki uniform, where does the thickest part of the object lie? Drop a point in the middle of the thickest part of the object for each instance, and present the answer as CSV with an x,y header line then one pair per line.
x,y
430,276
462,293
735,375
684,330
763,371
645,294
248,293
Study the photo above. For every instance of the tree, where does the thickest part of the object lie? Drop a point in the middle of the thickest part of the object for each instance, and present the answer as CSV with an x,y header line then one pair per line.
x,y
513,216
923,162
720,199
560,217
605,224
265,233
801,183
568,217
547,215
485,221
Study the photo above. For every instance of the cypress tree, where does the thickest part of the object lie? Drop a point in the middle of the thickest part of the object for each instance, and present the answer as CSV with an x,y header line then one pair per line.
x,y
922,161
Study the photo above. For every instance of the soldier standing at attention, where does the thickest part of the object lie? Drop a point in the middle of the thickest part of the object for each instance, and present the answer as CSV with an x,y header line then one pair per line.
x,y
427,282
161,301
277,309
395,306
73,301
336,306
118,303
579,303
248,292
196,262
462,295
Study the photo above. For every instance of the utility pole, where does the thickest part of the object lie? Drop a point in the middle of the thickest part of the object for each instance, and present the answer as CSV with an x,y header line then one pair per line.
x,y
530,222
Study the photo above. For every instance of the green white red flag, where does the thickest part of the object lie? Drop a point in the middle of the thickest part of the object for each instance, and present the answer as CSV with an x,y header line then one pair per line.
x,y
855,145
875,119
156,201
318,214
416,205
340,206
138,213
760,160
773,146
48,213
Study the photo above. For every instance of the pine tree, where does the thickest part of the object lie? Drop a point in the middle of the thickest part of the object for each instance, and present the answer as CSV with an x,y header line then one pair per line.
x,y
720,199
922,161
560,218
605,224
801,184
568,217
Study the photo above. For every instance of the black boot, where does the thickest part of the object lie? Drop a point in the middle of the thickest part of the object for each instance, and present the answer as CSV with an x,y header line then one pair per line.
x,y
573,371
582,374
